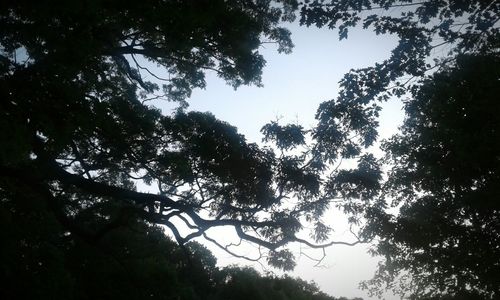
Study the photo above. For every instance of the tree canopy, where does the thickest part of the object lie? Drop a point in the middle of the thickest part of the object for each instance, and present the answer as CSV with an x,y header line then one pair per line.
x,y
80,136
430,35
436,218
445,180
41,260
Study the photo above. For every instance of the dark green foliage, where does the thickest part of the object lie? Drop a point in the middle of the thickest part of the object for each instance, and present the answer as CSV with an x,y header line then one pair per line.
x,y
444,240
41,260
445,179
78,128
423,28
184,37
247,284
79,135
286,137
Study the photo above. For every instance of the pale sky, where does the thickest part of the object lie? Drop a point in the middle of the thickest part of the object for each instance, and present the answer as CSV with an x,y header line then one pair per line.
x,y
294,86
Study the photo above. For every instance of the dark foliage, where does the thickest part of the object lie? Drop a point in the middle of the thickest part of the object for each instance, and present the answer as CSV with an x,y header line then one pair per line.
x,y
247,284
79,135
445,179
440,236
41,260
430,35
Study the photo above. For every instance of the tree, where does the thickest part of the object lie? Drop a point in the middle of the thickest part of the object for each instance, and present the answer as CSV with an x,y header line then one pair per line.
x,y
444,194
430,35
445,178
80,134
41,260
246,283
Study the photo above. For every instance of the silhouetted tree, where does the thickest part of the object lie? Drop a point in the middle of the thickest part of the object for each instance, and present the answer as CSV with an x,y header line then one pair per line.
x,y
445,179
40,259
436,219
430,35
246,283
79,134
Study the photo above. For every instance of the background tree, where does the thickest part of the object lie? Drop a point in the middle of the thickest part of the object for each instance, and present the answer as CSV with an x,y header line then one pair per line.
x,y
444,183
40,259
430,35
246,283
445,179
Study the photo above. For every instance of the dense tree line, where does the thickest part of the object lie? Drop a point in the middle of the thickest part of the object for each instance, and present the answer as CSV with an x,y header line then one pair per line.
x,y
42,260
79,134
445,179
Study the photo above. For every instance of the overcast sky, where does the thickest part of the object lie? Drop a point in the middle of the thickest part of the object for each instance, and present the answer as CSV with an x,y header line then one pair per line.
x,y
294,86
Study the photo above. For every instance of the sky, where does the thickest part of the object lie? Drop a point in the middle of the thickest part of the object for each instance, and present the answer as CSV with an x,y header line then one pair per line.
x,y
294,86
